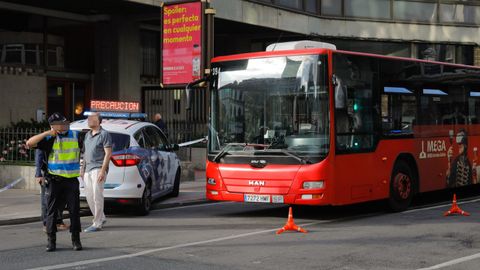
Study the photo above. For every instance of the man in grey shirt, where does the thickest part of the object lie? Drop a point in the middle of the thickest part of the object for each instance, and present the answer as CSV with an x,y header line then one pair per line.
x,y
96,158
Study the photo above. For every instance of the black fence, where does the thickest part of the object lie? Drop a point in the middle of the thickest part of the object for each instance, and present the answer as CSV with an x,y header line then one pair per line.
x,y
12,145
183,125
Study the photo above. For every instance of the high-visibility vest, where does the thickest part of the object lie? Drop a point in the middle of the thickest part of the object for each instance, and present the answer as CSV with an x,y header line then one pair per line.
x,y
64,159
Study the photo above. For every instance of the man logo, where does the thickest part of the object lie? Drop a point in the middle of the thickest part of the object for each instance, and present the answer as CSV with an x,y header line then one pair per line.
x,y
256,183
258,163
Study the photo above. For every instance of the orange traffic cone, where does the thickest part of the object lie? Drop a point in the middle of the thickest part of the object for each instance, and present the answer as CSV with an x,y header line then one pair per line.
x,y
291,226
455,209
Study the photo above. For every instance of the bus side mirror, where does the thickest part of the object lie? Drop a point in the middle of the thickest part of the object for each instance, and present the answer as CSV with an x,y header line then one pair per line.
x,y
189,90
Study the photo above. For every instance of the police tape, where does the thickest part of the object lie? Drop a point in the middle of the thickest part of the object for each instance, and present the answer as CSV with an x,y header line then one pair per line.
x,y
192,142
12,184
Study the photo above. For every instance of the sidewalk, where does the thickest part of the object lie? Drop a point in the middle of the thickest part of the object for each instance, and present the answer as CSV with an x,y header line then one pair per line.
x,y
22,206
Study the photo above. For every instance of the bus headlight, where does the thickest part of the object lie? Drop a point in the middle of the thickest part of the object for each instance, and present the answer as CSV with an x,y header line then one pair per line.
x,y
211,181
313,185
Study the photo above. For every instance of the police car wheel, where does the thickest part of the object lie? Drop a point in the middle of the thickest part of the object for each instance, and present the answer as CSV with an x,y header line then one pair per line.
x,y
145,202
176,185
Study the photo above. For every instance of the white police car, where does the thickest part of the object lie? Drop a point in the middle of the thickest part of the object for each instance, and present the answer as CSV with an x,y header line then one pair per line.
x,y
143,167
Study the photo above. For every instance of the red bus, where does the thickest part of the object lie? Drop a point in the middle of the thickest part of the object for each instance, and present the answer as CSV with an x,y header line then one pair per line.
x,y
321,126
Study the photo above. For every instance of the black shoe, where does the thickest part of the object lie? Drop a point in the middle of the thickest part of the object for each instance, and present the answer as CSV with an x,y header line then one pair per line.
x,y
77,245
52,242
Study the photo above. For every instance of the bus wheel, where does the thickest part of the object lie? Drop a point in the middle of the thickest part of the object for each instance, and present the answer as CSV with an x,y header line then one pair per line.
x,y
401,187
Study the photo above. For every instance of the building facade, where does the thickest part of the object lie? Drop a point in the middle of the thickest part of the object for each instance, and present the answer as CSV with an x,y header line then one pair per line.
x,y
58,55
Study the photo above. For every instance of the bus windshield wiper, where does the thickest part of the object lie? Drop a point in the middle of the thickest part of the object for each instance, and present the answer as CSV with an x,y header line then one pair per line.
x,y
227,147
301,159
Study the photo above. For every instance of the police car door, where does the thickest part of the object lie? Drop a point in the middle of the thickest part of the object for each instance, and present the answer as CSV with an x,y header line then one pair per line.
x,y
163,163
173,161
149,159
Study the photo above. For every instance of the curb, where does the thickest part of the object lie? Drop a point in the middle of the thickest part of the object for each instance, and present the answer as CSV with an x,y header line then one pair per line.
x,y
24,220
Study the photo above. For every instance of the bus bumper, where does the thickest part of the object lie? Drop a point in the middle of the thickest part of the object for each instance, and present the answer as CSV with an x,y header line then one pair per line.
x,y
304,198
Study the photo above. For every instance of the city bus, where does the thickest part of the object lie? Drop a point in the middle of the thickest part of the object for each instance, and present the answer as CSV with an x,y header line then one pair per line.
x,y
305,124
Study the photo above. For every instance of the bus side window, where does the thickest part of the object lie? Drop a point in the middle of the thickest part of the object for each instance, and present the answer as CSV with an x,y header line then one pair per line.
x,y
398,110
474,107
356,107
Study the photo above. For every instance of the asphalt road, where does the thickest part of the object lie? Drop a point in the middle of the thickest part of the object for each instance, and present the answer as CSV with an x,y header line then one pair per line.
x,y
242,236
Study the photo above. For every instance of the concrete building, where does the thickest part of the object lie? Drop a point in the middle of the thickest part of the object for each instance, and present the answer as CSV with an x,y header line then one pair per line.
x,y
57,55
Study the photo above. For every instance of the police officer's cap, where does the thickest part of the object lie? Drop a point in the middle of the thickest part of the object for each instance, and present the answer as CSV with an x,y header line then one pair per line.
x,y
57,119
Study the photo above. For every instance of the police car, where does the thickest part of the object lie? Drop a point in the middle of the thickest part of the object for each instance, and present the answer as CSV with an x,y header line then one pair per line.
x,y
143,167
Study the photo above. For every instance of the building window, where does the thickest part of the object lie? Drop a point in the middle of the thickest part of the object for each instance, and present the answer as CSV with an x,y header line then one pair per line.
x,y
332,7
375,9
296,4
13,54
415,11
150,41
31,55
459,13
311,6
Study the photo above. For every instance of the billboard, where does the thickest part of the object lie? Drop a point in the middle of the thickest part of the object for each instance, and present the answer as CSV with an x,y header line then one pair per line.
x,y
181,45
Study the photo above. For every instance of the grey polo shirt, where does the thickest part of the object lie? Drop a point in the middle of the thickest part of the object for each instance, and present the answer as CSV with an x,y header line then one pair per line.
x,y
94,151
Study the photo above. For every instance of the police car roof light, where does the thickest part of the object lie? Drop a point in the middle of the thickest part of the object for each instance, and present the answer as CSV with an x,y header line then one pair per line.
x,y
122,115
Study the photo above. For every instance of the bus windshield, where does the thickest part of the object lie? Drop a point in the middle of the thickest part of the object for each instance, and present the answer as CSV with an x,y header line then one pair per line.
x,y
276,105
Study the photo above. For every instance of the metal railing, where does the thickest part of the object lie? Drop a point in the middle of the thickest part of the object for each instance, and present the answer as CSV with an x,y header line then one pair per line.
x,y
12,145
13,149
185,131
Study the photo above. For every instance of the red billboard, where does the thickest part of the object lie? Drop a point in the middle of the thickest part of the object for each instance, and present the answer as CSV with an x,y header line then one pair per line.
x,y
182,48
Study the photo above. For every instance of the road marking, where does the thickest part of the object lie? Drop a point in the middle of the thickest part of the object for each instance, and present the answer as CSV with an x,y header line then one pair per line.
x,y
149,251
453,262
439,206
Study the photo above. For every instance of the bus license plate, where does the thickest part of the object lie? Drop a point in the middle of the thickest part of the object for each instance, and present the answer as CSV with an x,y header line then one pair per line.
x,y
277,199
257,198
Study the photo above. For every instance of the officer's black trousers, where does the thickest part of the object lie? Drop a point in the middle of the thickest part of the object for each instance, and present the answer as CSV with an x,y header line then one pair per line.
x,y
62,190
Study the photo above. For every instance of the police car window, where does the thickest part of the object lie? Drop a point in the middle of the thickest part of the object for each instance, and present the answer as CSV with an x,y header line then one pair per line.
x,y
155,137
139,138
162,137
119,141
149,142
159,133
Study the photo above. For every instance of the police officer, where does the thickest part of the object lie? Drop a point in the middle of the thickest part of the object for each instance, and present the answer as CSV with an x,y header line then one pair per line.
x,y
40,171
62,149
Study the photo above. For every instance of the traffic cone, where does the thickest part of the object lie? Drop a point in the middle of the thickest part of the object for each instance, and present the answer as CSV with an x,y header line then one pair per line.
x,y
455,209
291,226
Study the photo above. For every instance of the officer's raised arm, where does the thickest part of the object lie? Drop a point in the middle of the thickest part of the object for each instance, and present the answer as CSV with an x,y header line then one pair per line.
x,y
34,140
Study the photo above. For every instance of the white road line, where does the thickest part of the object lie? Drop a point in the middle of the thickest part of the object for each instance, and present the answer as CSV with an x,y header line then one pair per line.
x,y
149,251
439,206
453,262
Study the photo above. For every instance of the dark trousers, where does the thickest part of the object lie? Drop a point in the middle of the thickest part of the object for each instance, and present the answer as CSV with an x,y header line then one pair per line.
x,y
43,201
62,190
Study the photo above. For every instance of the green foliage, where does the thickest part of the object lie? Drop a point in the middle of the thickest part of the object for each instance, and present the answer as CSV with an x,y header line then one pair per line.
x,y
30,125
